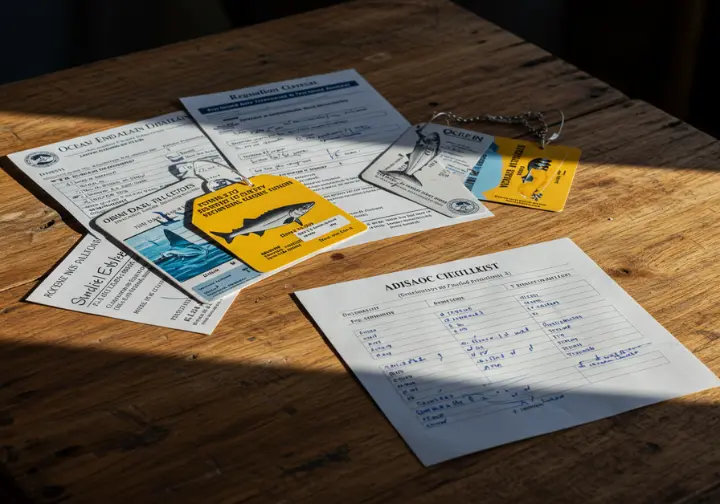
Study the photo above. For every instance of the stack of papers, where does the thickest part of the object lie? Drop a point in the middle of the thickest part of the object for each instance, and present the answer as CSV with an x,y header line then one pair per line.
x,y
460,357
321,130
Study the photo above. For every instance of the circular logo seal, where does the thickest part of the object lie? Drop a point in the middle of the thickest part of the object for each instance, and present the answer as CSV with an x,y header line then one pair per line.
x,y
463,206
41,159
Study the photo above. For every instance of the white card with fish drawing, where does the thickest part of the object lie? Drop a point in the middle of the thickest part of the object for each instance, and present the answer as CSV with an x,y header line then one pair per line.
x,y
428,165
157,229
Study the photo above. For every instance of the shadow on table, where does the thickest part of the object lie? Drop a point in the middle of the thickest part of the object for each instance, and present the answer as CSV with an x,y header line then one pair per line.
x,y
95,424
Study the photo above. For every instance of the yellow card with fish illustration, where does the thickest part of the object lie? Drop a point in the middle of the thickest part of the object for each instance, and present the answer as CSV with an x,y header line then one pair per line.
x,y
273,223
520,173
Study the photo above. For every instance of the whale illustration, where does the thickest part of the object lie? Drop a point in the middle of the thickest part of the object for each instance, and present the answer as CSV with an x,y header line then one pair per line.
x,y
180,249
269,220
426,149
536,178
536,164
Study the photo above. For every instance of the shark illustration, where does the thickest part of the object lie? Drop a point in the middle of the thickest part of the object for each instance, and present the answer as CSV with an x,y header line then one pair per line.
x,y
180,249
426,149
168,220
269,220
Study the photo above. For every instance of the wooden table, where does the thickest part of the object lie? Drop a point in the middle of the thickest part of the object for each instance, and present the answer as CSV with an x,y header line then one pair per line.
x,y
100,410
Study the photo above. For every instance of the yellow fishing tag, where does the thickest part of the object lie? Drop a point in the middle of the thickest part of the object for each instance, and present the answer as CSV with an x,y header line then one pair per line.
x,y
273,223
520,173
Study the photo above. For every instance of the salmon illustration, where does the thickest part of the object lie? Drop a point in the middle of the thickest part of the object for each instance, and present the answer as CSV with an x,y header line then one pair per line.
x,y
269,220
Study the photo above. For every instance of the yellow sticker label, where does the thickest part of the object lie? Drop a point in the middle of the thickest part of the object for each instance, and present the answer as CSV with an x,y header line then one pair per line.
x,y
272,223
520,173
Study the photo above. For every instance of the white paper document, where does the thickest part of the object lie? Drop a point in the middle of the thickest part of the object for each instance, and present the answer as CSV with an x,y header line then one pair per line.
x,y
98,278
92,174
475,353
323,131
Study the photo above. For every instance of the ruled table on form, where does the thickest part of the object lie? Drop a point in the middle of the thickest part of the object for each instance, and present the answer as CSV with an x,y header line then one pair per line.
x,y
471,354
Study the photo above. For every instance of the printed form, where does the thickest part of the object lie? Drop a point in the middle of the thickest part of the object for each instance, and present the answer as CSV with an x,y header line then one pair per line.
x,y
480,352
322,131
92,174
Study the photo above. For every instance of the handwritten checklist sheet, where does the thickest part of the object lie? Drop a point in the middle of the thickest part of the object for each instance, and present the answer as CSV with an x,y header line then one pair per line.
x,y
476,353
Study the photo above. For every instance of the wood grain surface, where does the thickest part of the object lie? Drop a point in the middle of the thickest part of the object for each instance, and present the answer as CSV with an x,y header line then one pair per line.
x,y
100,410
